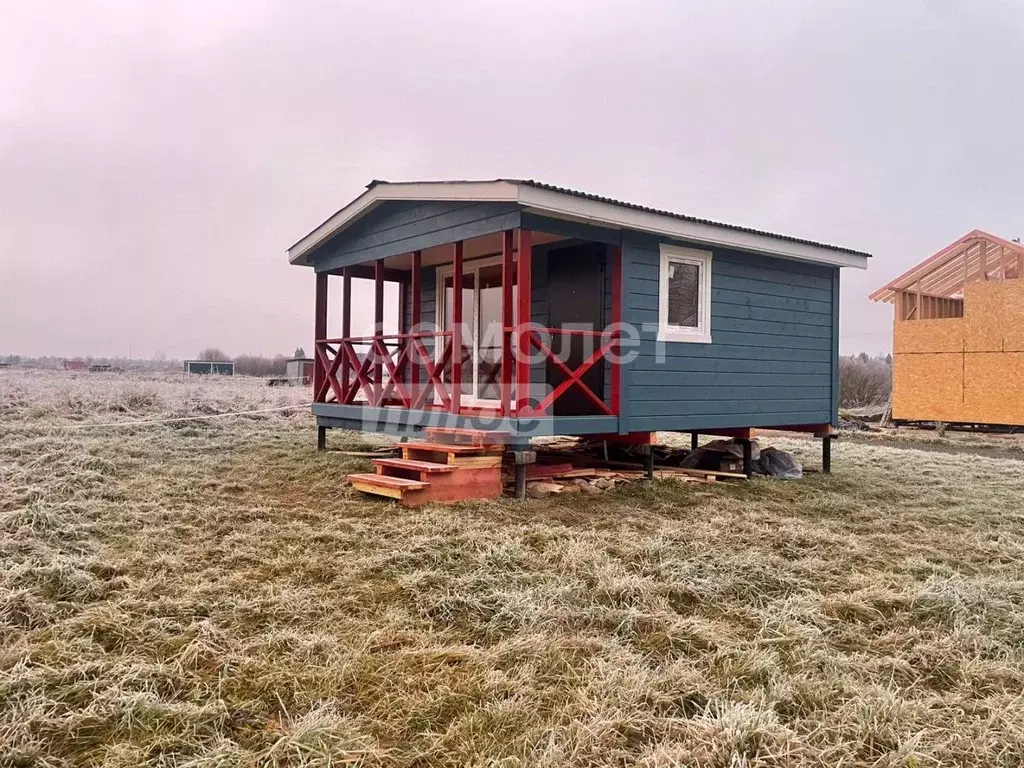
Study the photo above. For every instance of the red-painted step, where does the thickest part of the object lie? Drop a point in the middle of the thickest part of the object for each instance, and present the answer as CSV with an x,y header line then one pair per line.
x,y
477,437
439,470
383,485
424,467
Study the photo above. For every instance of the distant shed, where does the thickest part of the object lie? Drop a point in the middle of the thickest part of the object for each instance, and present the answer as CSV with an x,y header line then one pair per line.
x,y
299,370
958,334
208,367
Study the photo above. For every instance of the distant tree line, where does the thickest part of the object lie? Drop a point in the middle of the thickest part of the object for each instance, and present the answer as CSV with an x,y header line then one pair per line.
x,y
864,380
245,365
250,365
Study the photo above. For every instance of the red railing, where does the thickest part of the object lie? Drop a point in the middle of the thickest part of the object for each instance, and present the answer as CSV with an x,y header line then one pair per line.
x,y
386,372
400,370
573,377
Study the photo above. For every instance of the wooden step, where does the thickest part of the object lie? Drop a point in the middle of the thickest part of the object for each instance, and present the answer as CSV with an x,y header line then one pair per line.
x,y
451,484
383,485
426,445
413,465
453,455
457,436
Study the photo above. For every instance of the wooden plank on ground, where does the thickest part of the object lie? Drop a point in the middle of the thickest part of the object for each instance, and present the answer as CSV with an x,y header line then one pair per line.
x,y
707,472
547,470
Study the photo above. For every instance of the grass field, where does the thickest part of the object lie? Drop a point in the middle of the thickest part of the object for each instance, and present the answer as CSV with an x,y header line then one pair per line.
x,y
208,594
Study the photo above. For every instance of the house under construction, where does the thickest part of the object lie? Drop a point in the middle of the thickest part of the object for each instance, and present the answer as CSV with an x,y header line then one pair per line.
x,y
958,334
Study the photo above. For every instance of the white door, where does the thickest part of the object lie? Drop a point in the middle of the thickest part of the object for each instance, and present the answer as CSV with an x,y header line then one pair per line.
x,y
481,313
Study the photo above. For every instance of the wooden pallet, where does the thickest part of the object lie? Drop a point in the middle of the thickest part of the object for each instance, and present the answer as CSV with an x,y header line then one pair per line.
x,y
454,465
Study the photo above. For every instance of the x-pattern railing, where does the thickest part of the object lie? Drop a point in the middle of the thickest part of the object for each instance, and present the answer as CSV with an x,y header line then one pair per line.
x,y
388,372
383,373
573,376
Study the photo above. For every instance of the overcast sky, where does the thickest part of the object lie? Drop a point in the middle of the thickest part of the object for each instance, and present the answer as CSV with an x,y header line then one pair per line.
x,y
157,158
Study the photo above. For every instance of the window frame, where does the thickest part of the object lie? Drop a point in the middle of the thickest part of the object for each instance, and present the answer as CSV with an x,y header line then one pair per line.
x,y
702,260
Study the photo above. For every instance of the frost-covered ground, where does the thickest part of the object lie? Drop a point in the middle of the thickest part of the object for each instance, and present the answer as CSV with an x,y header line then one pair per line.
x,y
207,593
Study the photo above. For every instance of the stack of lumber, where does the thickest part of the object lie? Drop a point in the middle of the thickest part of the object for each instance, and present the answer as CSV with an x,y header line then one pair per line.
x,y
568,477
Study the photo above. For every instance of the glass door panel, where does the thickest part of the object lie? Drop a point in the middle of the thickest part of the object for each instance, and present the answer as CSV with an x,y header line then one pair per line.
x,y
468,335
489,332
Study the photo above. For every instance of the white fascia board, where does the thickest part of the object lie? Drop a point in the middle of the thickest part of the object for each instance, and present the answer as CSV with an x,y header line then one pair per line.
x,y
469,191
559,205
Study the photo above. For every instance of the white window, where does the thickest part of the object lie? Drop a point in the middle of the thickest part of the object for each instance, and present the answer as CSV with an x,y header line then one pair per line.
x,y
684,296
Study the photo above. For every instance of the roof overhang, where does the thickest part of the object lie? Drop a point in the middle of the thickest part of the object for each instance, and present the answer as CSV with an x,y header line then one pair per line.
x,y
558,204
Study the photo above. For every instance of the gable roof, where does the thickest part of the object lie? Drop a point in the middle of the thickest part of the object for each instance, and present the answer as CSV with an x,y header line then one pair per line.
x,y
574,205
942,274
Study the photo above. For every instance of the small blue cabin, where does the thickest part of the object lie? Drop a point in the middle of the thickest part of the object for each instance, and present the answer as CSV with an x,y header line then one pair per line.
x,y
528,309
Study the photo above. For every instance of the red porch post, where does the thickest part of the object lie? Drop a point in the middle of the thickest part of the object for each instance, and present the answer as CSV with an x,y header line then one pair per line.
x,y
456,399
319,331
523,352
615,256
507,319
414,365
378,328
346,325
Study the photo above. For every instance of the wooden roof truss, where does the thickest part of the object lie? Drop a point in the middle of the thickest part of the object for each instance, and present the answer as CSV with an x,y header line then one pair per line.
x,y
935,287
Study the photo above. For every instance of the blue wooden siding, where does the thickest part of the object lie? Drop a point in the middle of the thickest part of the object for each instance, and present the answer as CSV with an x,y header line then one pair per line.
x,y
607,393
835,348
773,351
401,227
539,311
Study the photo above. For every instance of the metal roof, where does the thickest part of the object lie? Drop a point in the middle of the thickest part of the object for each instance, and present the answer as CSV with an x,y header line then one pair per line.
x,y
648,209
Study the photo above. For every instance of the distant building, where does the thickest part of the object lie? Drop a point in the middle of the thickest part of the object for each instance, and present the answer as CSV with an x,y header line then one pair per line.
x,y
958,334
74,365
299,370
210,367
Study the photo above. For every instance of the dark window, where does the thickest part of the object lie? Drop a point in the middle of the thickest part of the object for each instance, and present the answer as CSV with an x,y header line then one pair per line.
x,y
683,294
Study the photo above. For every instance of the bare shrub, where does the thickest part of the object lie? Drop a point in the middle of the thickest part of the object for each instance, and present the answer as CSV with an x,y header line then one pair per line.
x,y
864,380
212,355
257,365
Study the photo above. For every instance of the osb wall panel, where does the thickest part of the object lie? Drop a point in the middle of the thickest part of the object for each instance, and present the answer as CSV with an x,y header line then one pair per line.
x,y
927,386
971,387
968,369
994,388
928,335
983,311
1013,316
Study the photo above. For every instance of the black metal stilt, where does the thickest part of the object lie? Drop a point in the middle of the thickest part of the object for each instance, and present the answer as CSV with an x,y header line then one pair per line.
x,y
826,454
523,459
748,461
694,440
520,481
648,463
321,438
